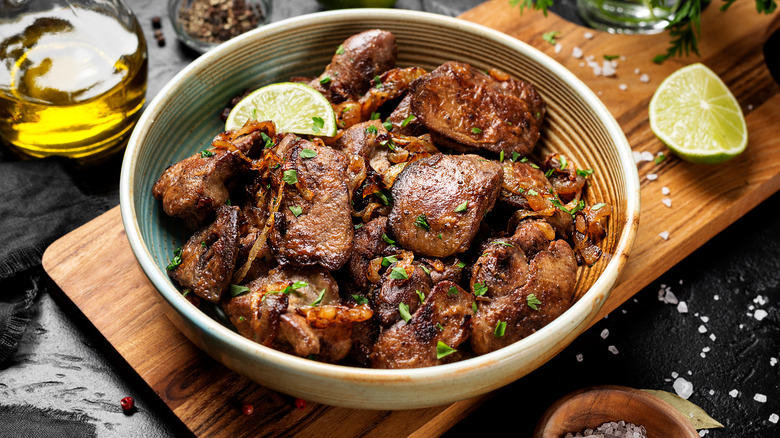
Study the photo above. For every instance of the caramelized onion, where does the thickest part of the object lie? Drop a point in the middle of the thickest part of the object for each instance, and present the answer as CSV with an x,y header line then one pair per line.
x,y
328,315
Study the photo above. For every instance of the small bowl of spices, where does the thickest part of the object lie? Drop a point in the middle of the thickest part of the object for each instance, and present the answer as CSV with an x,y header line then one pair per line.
x,y
204,24
613,411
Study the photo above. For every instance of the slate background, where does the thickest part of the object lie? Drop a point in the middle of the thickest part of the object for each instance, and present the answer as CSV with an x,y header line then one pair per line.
x,y
64,364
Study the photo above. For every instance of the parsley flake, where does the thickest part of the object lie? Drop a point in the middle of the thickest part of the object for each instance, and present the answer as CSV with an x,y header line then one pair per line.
x,y
325,80
462,207
598,206
378,81
421,296
308,153
388,240
533,192
422,222
360,299
480,289
389,260
461,265
290,176
533,302
408,119
550,36
474,307
443,350
476,130
403,309
515,156
371,130
659,158
205,153
297,210
375,116
398,273
269,143
611,57
585,172
452,291
236,290
176,260
340,49
388,126
318,301
500,329
317,124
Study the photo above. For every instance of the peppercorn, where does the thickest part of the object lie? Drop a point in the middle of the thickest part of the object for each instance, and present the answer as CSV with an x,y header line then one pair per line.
x,y
156,22
247,409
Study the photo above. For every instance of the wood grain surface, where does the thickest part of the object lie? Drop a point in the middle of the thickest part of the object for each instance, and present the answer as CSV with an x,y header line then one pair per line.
x,y
95,267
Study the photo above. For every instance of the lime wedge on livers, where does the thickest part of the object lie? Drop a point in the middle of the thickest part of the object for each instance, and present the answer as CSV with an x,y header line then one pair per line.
x,y
698,118
293,107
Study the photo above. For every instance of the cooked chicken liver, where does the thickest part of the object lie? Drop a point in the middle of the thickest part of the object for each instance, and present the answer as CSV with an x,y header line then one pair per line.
x,y
473,110
439,202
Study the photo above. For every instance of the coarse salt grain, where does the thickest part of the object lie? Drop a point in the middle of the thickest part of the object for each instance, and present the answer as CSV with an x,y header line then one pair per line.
x,y
682,387
623,87
648,156
664,235
773,418
675,375
652,176
644,78
588,35
716,297
612,349
579,358
665,191
670,297
772,361
608,69
636,71
703,355
712,336
703,432
734,393
760,314
705,319
682,307
576,52
558,47
604,333
761,398
706,349
667,202
760,300
582,64
712,392
702,329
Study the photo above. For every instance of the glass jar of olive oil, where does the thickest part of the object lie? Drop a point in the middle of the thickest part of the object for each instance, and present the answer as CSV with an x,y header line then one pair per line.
x,y
72,77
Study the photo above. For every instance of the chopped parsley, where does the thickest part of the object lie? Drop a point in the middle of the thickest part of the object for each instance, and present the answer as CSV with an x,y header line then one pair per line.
x,y
308,153
398,273
228,202
562,160
598,206
585,172
443,350
550,36
371,130
378,81
325,80
389,260
388,126
176,260
501,157
269,143
203,244
358,226
476,130
480,289
241,319
297,210
439,236
533,302
611,57
549,172
474,307
186,292
318,301
421,296
384,196
340,49
317,124
403,309
461,265
533,192
375,116
515,156
408,119
533,165
360,299
439,327
498,242
205,153
290,176
452,291
389,142
462,207
425,268
236,290
659,158
422,222
388,240
500,329
292,288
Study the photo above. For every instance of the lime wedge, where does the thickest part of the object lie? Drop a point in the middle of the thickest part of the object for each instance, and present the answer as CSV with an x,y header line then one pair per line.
x,y
293,107
698,118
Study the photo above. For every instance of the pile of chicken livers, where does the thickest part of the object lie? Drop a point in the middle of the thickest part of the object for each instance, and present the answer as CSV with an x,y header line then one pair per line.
x,y
424,232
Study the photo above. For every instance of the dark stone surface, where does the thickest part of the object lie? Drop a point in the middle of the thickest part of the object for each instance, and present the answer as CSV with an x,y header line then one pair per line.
x,y
64,363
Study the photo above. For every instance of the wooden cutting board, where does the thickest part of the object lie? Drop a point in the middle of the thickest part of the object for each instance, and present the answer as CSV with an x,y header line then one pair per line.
x,y
95,267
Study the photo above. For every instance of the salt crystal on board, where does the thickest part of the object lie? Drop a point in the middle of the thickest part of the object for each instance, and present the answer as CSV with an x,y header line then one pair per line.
x,y
702,329
712,336
647,156
623,87
675,375
664,235
588,35
734,393
637,156
761,398
558,47
576,52
716,297
706,349
773,418
760,314
652,176
712,392
682,307
604,333
703,432
670,297
682,387
644,78
665,191
608,69
760,300
667,202
636,71
703,356
705,319
612,349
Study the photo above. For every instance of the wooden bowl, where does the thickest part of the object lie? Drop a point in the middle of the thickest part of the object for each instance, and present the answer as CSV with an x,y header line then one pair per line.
x,y
183,118
589,408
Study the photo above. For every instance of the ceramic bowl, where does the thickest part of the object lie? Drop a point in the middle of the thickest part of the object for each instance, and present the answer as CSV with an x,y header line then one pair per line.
x,y
183,118
589,408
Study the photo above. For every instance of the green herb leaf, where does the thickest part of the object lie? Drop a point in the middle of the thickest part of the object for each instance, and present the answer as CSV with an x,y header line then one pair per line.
x,y
598,206
236,290
307,153
360,299
439,236
317,124
549,172
425,268
358,226
476,130
659,158
550,36
298,284
501,156
422,222
388,240
443,350
532,192
403,309
474,307
499,242
462,207
611,57
539,5
407,120
378,81
562,161
325,80
269,143
389,143
585,172
241,319
175,261
186,292
318,301
532,301
388,126
480,289
515,156
461,265
389,260
296,210
290,176
384,196
205,153
421,296
375,116
500,329
340,49
371,130
398,273
228,202
452,291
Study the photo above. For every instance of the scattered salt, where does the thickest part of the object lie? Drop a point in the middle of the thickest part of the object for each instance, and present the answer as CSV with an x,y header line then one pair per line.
x,y
635,300
608,69
741,326
558,47
582,64
644,78
706,349
772,361
702,355
579,358
712,392
760,314
623,311
612,349
576,52
750,107
705,319
702,329
716,297
648,156
751,307
761,398
703,432
773,418
588,35
712,336
652,176
675,375
682,387
690,373
623,87
667,202
682,307
664,235
760,300
734,393
670,297
604,333
665,191
636,71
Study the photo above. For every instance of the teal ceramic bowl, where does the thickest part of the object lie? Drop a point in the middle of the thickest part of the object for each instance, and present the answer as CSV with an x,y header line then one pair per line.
x,y
183,119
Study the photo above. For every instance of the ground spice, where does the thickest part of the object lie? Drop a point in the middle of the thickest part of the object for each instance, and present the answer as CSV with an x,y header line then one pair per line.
x,y
216,21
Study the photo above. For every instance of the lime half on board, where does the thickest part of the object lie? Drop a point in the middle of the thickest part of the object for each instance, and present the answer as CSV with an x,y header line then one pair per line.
x,y
698,118
294,108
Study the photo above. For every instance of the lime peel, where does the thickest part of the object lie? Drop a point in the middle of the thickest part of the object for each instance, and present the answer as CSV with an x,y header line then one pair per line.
x,y
695,114
293,107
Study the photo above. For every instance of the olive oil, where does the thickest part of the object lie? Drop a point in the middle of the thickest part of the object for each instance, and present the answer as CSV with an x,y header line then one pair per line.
x,y
72,82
